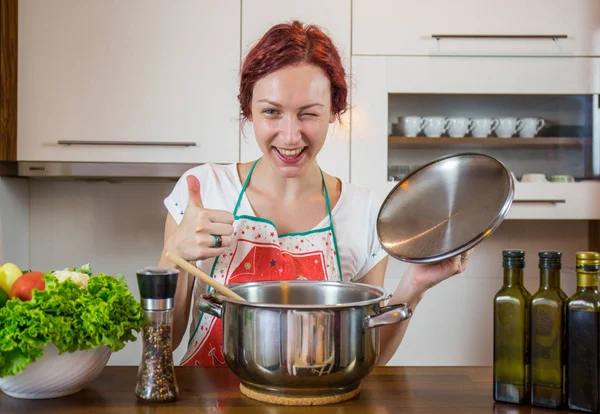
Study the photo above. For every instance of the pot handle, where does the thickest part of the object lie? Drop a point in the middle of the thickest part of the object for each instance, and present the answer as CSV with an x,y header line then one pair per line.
x,y
389,315
211,305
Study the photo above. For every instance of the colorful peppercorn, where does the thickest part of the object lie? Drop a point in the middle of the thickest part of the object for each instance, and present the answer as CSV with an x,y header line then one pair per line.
x,y
156,375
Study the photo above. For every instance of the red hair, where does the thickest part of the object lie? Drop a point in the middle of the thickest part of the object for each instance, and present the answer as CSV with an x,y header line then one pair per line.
x,y
288,45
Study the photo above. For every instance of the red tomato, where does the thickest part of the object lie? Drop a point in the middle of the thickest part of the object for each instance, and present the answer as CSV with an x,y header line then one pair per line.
x,y
24,285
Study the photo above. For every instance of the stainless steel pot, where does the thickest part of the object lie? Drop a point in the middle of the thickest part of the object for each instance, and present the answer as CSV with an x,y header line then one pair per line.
x,y
301,338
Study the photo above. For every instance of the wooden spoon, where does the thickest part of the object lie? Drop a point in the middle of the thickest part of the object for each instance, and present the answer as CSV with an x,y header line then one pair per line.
x,y
219,287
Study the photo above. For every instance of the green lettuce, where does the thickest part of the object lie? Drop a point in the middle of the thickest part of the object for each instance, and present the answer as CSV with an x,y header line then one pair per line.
x,y
103,314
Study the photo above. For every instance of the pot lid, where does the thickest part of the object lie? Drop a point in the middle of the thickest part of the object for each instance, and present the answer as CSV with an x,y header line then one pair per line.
x,y
445,207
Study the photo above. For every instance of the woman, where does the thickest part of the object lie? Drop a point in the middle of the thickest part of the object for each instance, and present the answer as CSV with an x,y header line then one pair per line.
x,y
281,217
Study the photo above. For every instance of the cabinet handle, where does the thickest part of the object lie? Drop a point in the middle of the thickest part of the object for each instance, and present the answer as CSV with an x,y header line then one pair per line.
x,y
557,201
499,36
138,143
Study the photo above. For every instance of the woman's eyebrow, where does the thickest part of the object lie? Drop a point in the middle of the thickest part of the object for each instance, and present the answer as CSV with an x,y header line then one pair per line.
x,y
310,105
279,105
270,102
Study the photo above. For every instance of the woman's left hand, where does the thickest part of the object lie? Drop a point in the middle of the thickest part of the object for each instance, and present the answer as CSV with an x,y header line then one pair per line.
x,y
426,276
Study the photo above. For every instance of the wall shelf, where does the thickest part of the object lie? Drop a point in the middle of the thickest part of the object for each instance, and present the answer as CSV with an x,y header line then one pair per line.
x,y
425,142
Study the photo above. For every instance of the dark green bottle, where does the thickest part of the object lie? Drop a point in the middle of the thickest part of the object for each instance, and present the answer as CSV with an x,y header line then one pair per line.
x,y
583,310
511,332
548,334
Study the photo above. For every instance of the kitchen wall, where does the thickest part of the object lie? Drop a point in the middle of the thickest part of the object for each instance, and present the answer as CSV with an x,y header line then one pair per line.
x,y
118,227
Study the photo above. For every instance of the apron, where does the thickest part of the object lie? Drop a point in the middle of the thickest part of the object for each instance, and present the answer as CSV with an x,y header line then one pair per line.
x,y
258,253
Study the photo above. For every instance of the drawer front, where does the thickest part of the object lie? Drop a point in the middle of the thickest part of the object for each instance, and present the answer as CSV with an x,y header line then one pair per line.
x,y
501,75
565,201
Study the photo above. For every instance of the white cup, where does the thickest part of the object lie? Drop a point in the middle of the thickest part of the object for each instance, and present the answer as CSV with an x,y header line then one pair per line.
x,y
483,127
459,127
435,126
410,126
507,127
534,178
529,127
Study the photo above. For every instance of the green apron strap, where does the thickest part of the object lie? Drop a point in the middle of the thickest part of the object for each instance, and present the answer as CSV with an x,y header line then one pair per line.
x,y
335,246
239,200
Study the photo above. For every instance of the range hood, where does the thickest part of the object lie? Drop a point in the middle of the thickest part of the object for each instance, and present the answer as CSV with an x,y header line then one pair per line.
x,y
91,170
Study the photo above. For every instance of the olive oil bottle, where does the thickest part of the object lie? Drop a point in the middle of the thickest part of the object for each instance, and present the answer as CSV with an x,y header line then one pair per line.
x,y
511,332
583,310
548,334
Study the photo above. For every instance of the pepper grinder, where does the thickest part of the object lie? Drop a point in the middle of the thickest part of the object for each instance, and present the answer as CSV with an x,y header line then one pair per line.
x,y
156,380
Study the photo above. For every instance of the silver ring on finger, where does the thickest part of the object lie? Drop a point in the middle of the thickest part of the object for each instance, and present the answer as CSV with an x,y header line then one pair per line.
x,y
217,241
464,256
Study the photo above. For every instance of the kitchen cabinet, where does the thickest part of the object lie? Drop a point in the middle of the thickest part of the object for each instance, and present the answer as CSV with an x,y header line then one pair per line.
x,y
8,81
143,81
564,92
334,16
534,27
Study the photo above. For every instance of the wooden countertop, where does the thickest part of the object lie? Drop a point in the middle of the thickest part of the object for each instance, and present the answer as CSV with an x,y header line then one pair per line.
x,y
386,390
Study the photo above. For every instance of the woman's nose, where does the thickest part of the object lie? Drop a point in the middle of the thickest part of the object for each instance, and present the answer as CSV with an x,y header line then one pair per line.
x,y
292,130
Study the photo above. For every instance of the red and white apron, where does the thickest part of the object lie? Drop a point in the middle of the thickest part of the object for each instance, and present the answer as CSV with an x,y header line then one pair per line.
x,y
257,253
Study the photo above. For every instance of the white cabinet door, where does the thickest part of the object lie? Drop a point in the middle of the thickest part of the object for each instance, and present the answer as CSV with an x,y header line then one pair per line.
x,y
133,72
406,27
333,16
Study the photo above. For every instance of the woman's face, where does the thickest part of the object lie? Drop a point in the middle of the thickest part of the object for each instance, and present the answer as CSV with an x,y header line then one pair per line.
x,y
291,112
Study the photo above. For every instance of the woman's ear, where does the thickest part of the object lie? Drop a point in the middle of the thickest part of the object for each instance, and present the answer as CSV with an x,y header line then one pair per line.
x,y
332,118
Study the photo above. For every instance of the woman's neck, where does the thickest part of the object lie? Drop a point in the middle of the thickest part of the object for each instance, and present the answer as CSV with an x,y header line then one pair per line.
x,y
266,179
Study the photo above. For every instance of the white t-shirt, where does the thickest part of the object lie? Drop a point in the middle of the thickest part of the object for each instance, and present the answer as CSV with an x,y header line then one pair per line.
x,y
354,215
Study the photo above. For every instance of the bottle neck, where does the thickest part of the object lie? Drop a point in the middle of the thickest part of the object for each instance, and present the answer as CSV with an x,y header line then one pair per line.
x,y
513,277
587,281
549,278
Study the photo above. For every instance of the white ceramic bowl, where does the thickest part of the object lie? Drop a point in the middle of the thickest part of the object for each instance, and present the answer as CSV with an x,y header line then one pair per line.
x,y
534,178
55,375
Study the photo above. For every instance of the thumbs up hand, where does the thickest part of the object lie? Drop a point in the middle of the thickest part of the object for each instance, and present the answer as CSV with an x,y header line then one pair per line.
x,y
202,233
194,191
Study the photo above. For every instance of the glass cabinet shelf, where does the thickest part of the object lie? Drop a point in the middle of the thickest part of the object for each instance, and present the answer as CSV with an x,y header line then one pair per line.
x,y
469,142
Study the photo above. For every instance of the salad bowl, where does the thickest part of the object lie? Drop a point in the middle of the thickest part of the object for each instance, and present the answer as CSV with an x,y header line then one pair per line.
x,y
58,330
56,375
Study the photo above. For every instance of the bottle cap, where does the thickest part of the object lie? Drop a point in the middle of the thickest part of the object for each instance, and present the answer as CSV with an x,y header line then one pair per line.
x,y
157,287
587,261
513,259
550,259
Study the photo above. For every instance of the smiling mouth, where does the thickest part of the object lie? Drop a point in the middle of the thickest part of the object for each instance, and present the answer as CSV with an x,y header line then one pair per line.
x,y
290,153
